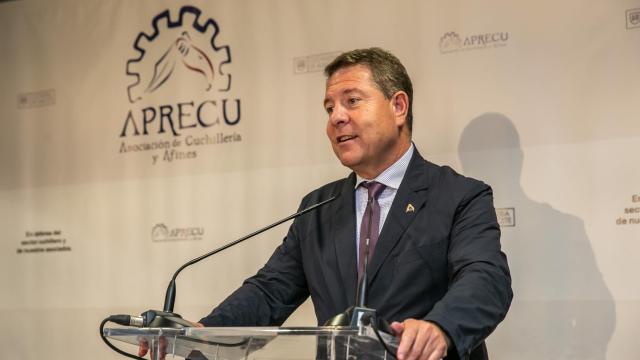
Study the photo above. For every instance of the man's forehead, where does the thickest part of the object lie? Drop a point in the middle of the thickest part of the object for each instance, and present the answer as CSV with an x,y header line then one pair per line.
x,y
355,73
344,90
349,80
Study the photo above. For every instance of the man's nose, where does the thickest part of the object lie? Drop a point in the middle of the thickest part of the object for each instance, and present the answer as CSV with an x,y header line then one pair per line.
x,y
339,116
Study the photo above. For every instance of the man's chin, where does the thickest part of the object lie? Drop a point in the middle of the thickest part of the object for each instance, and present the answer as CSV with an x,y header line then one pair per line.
x,y
351,163
348,161
349,157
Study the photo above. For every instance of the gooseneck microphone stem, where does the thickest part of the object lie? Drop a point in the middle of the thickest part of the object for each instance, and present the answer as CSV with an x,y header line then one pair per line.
x,y
170,296
362,291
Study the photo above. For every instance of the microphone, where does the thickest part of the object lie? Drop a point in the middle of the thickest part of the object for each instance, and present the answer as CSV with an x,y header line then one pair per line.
x,y
166,317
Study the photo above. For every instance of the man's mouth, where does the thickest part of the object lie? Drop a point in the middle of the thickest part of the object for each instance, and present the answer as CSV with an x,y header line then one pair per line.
x,y
344,138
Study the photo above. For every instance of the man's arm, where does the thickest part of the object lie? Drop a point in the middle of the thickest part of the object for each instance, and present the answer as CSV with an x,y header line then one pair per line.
x,y
479,291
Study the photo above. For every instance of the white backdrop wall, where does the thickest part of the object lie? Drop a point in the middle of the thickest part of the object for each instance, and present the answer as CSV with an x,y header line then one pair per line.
x,y
539,99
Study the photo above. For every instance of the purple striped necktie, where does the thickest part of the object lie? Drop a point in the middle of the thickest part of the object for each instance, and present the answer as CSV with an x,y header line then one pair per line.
x,y
371,216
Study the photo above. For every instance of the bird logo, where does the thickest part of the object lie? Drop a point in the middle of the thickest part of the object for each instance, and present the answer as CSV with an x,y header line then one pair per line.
x,y
183,52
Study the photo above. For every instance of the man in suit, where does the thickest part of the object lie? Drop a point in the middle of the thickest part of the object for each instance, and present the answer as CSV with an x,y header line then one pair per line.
x,y
436,269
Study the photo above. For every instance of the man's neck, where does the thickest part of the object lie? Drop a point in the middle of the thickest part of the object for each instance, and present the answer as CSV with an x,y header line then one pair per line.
x,y
392,171
370,174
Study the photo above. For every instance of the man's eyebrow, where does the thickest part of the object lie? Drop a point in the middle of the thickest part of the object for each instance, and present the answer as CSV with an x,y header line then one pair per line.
x,y
346,91
351,91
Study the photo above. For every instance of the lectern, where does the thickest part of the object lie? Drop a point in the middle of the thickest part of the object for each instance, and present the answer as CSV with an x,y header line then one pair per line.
x,y
259,343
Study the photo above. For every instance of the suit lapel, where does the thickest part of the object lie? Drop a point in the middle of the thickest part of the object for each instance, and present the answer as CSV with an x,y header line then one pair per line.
x,y
409,200
343,233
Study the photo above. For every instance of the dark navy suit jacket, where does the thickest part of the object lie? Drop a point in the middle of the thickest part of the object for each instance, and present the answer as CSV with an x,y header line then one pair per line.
x,y
440,261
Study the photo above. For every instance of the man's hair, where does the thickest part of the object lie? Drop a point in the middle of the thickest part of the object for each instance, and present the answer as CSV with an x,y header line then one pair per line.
x,y
389,74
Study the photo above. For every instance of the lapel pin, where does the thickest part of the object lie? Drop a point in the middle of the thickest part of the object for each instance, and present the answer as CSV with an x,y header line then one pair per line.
x,y
410,209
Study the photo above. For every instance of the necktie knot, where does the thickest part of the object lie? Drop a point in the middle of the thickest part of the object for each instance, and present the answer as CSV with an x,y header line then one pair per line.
x,y
375,189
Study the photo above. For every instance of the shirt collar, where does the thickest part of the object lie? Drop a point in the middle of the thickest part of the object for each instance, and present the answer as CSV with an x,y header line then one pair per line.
x,y
392,176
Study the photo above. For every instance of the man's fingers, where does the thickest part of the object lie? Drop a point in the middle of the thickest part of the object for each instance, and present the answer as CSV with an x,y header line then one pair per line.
x,y
436,348
419,350
442,341
142,351
143,348
397,328
161,346
437,355
420,340
438,351
406,342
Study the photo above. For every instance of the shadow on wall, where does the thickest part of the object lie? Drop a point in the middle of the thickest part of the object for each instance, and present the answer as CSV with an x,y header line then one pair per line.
x,y
562,308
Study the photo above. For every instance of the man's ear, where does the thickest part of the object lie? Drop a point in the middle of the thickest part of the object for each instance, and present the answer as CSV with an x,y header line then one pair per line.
x,y
400,103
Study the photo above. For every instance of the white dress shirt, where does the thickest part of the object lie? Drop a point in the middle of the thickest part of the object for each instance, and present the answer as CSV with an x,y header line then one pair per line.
x,y
391,178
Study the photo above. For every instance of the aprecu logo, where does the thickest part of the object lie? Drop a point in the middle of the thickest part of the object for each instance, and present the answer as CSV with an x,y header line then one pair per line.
x,y
161,232
453,42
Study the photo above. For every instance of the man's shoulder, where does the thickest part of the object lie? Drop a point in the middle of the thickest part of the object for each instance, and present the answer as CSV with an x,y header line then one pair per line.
x,y
445,177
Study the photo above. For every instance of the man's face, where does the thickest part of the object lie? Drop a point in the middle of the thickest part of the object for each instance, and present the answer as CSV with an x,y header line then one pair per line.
x,y
364,128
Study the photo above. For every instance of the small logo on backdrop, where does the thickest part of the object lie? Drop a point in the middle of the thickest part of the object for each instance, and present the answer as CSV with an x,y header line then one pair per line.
x,y
506,217
633,18
180,93
37,99
452,42
161,232
313,63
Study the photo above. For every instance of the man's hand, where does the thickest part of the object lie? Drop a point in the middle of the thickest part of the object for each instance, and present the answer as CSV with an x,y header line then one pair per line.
x,y
420,339
143,347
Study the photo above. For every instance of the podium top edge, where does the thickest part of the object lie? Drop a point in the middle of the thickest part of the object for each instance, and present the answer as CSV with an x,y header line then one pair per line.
x,y
269,331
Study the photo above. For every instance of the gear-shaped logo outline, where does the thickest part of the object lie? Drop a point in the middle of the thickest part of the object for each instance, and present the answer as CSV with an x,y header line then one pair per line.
x,y
201,28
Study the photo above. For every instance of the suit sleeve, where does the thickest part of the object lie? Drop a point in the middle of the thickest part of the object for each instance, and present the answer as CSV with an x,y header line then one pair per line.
x,y
270,296
479,293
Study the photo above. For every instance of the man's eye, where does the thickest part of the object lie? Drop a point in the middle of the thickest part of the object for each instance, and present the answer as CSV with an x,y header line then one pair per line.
x,y
353,101
329,109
